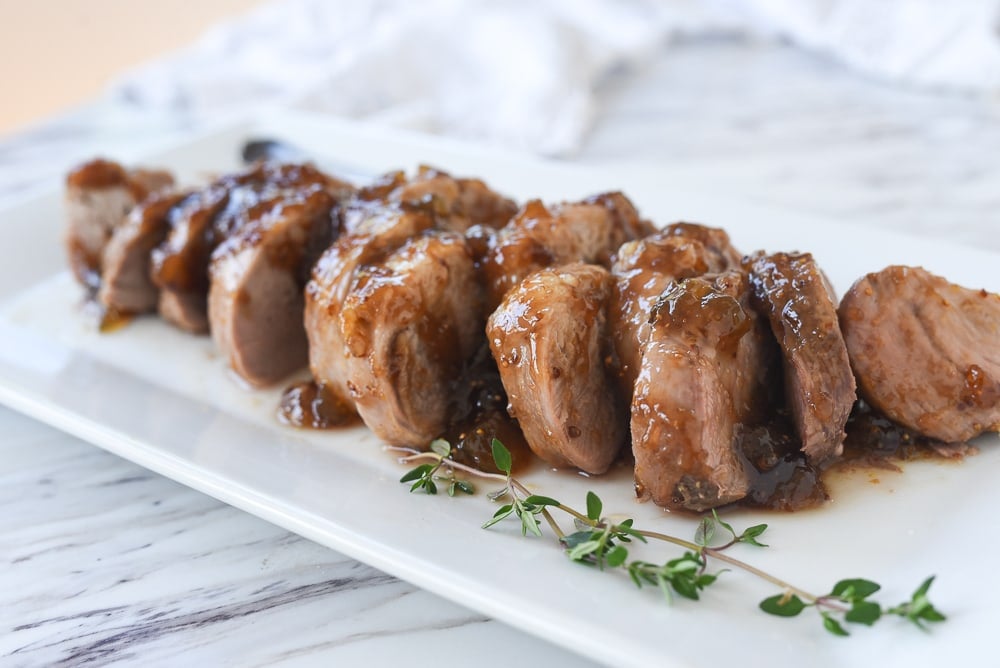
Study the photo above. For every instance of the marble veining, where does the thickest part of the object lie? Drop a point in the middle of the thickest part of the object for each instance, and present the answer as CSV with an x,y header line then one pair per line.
x,y
105,563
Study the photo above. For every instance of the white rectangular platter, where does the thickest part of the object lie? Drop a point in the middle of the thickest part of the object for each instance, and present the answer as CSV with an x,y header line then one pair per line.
x,y
166,401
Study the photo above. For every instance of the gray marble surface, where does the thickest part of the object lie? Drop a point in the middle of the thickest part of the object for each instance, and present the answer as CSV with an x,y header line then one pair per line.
x,y
104,562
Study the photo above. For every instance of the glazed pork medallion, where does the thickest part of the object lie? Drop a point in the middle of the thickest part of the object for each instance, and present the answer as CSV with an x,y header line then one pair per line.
x,y
926,352
430,306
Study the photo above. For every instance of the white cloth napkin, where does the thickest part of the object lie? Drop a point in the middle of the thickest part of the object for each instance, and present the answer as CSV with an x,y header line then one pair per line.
x,y
528,74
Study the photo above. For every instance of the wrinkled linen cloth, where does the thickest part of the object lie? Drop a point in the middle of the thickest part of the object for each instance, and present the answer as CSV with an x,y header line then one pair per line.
x,y
528,75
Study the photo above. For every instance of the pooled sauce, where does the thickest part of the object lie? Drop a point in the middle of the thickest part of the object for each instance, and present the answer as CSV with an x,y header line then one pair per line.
x,y
104,320
480,415
780,476
875,441
308,405
112,320
782,479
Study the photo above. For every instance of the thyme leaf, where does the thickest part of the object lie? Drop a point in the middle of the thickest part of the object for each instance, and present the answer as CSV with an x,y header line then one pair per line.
x,y
601,543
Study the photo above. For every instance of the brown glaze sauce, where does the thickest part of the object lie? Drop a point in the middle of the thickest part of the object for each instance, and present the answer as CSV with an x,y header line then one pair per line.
x,y
975,380
217,212
112,320
479,410
100,174
696,300
875,441
308,405
480,415
782,479
97,174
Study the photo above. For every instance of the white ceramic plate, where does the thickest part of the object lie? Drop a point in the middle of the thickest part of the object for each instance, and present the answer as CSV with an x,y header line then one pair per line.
x,y
165,400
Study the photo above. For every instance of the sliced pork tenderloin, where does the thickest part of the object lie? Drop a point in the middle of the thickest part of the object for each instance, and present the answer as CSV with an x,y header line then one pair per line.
x,y
704,373
791,291
375,222
99,194
541,236
550,339
180,263
410,324
643,269
126,286
456,204
175,264
926,352
459,202
333,278
255,299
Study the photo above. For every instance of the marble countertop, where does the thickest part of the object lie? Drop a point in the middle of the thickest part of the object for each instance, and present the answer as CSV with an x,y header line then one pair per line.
x,y
105,562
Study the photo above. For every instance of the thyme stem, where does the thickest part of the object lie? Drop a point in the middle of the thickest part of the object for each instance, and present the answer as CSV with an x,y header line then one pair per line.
x,y
414,455
600,545
420,456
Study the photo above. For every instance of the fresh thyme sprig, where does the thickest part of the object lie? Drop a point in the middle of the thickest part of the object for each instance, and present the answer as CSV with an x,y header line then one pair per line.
x,y
849,599
425,477
601,543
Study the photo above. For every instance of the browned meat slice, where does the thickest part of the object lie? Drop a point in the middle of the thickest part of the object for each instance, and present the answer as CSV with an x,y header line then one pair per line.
x,y
334,276
539,236
98,195
126,286
460,203
175,263
180,263
794,295
925,352
715,240
378,219
643,269
550,339
255,302
410,324
704,374
455,203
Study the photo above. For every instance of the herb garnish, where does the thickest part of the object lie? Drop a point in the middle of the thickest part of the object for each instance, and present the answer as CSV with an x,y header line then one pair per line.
x,y
600,542
424,476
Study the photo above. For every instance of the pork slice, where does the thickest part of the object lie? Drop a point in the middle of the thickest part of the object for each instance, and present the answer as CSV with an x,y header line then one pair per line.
x,y
540,236
255,301
715,240
458,202
455,203
180,263
478,204
550,339
99,194
334,275
626,224
126,285
791,291
926,352
643,269
703,374
254,189
410,324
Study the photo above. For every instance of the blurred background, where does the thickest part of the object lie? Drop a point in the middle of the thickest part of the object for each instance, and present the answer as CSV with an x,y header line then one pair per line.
x,y
56,54
535,75
851,108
